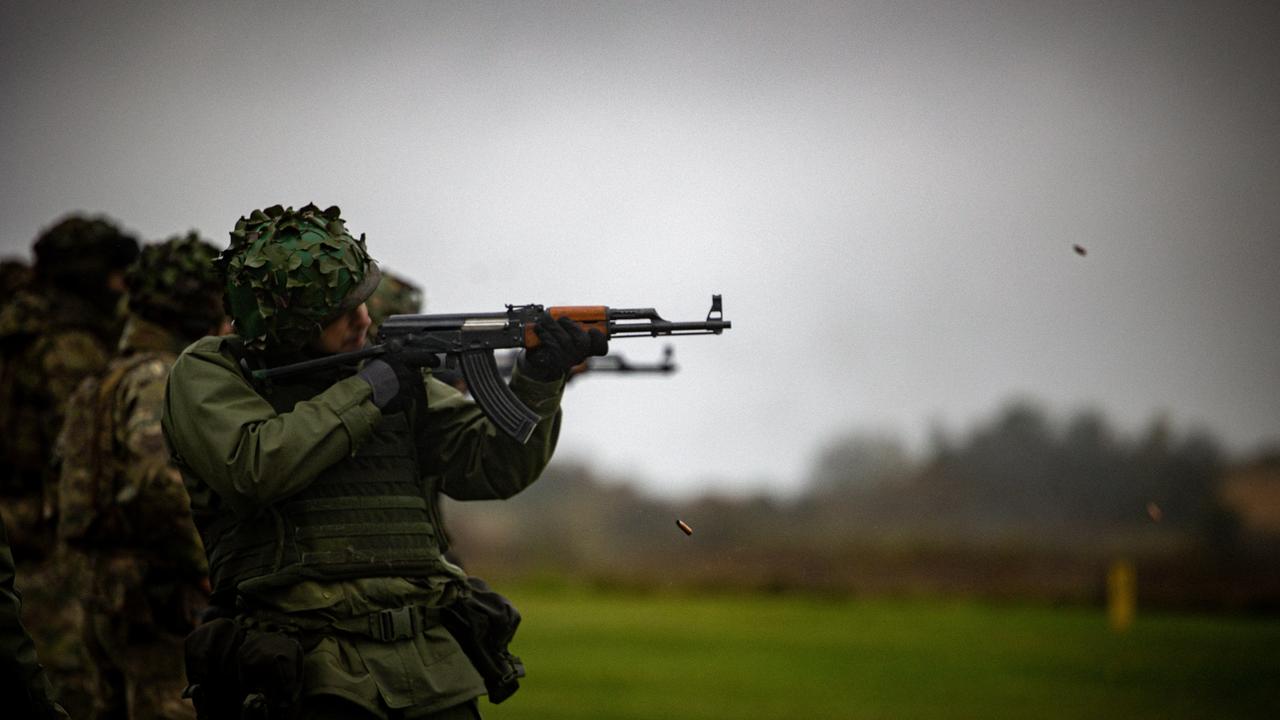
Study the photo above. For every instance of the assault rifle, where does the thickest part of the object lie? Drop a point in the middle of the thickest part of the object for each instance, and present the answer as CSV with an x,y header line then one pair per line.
x,y
611,363
469,339
620,364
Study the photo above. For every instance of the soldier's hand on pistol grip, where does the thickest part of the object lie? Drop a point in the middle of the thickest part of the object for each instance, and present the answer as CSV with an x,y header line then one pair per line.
x,y
563,345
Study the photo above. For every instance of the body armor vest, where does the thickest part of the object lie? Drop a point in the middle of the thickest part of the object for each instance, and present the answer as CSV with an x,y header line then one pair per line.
x,y
370,515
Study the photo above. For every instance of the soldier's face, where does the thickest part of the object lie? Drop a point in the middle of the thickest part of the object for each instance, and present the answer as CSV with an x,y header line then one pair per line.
x,y
346,333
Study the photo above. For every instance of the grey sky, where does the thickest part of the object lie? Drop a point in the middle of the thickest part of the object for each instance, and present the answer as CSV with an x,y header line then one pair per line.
x,y
886,194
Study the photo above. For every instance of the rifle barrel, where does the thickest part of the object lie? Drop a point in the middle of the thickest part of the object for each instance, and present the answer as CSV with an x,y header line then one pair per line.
x,y
663,327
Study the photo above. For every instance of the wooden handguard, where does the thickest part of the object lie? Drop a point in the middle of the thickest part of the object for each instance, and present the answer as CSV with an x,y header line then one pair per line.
x,y
588,316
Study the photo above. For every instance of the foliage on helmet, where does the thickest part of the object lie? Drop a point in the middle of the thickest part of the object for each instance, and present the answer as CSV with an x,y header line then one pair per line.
x,y
393,296
289,273
177,283
79,251
14,276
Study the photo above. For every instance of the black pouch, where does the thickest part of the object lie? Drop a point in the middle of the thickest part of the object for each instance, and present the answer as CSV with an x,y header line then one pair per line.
x,y
270,667
212,681
483,622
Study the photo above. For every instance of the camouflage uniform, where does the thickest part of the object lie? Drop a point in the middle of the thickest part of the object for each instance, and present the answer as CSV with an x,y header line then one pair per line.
x,y
123,504
314,502
24,687
52,334
52,339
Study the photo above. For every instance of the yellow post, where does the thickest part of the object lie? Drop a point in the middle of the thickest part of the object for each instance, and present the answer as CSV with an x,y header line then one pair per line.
x,y
1122,595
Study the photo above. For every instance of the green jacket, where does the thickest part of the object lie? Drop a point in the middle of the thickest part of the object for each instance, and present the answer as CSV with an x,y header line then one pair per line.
x,y
238,455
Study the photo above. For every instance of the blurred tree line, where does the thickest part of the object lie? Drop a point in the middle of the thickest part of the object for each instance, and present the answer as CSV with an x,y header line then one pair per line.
x,y
1022,476
1021,506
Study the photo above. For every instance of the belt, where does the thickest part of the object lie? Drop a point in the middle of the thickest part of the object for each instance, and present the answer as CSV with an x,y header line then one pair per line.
x,y
383,626
392,625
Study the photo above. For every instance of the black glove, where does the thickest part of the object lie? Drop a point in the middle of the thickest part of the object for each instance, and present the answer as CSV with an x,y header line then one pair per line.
x,y
384,380
564,344
393,383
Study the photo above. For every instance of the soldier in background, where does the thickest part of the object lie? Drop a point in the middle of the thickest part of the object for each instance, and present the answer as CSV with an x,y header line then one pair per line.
x,y
14,276
55,332
393,296
59,329
122,503
398,296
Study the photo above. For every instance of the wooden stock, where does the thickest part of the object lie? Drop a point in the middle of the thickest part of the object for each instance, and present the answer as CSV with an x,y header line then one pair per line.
x,y
588,316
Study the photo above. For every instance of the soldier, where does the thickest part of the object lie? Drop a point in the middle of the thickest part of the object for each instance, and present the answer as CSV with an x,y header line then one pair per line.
x,y
312,493
123,504
14,276
393,296
55,332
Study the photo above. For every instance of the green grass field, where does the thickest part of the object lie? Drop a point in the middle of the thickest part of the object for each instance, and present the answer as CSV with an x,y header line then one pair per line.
x,y
686,657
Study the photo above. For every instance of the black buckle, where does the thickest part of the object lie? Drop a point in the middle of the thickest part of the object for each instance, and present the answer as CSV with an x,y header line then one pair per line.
x,y
391,625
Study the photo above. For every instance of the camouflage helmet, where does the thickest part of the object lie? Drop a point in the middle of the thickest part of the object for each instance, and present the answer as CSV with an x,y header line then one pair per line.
x,y
77,251
177,284
289,273
14,276
393,296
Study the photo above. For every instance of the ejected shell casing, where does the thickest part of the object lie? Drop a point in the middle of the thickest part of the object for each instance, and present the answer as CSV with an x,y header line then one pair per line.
x,y
684,527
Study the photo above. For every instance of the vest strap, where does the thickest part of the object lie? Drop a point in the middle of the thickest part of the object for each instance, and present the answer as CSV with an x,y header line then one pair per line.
x,y
362,502
346,530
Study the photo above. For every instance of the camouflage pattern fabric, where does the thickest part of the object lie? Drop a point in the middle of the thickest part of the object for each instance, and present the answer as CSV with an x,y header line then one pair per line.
x,y
50,340
55,332
52,612
138,676
177,285
124,506
24,686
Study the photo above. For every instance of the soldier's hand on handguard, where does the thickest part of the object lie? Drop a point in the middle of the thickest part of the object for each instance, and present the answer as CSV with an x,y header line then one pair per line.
x,y
563,345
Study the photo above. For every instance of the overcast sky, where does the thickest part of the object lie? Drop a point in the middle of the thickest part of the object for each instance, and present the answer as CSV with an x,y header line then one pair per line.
x,y
886,194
